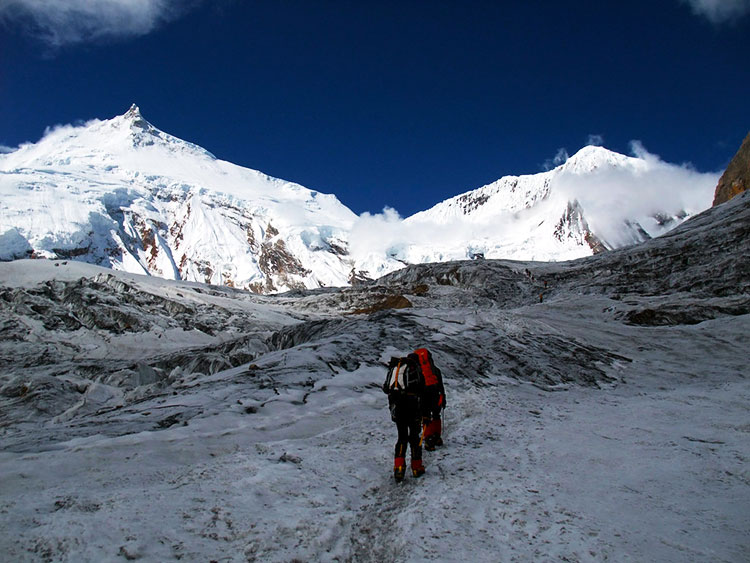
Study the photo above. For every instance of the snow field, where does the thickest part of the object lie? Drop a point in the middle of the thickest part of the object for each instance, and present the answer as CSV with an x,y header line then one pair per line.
x,y
609,422
645,470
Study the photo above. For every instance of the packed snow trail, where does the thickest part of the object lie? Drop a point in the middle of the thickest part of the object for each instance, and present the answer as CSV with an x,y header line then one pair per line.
x,y
635,471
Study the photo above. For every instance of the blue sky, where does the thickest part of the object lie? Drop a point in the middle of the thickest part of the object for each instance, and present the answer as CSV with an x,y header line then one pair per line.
x,y
398,104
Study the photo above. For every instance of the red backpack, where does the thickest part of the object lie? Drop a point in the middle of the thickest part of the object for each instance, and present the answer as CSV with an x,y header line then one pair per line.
x,y
425,362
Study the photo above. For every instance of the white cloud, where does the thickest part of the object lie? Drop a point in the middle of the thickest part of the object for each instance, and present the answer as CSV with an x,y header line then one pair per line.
x,y
611,195
6,149
376,233
595,140
387,234
560,157
63,22
719,11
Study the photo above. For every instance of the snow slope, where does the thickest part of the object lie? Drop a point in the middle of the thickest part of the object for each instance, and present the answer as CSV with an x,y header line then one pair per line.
x,y
597,200
158,420
122,194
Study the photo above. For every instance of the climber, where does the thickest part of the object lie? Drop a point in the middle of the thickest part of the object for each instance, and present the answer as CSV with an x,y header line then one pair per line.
x,y
404,386
433,400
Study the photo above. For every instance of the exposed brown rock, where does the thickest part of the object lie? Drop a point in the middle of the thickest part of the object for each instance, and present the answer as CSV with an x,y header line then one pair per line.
x,y
358,277
175,230
338,249
421,289
206,269
594,243
736,178
251,238
390,302
183,263
278,265
469,202
271,231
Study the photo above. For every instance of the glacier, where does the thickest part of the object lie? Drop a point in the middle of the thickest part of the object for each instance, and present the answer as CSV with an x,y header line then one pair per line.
x,y
597,410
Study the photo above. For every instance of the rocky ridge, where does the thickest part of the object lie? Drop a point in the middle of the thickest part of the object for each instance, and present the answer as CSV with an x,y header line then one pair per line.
x,y
736,178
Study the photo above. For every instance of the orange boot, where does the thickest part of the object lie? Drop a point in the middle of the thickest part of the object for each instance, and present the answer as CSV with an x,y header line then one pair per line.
x,y
432,435
427,434
399,468
417,469
399,462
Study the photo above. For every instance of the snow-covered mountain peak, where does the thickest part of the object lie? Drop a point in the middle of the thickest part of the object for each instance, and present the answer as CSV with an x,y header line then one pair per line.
x,y
126,195
132,131
512,194
126,139
134,112
598,199
592,158
123,194
133,118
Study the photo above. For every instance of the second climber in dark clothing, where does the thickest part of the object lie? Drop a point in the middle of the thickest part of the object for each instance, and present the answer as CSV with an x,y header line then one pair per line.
x,y
433,399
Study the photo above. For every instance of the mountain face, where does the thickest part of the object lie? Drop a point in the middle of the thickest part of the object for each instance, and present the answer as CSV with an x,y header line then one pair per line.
x,y
554,215
122,194
125,195
736,178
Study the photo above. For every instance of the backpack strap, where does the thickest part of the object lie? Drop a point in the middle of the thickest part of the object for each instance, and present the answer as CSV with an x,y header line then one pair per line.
x,y
395,384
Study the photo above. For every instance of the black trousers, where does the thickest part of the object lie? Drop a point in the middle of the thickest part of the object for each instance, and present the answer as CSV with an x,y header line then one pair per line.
x,y
405,412
430,407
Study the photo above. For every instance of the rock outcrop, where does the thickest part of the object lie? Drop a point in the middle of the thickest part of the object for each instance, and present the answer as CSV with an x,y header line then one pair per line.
x,y
736,178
